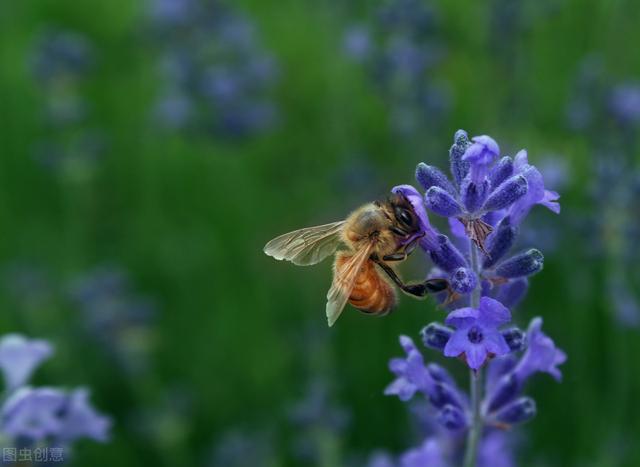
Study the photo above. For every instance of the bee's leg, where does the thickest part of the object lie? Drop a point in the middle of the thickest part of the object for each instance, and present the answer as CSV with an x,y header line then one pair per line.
x,y
420,289
406,251
395,257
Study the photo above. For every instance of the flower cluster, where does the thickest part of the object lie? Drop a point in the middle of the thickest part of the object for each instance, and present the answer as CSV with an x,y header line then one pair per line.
x,y
61,63
216,77
485,202
35,417
400,50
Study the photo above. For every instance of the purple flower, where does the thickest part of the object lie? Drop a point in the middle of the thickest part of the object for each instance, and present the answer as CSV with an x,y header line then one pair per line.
x,y
477,334
38,413
33,413
19,357
480,155
541,355
483,192
428,454
80,419
536,193
483,151
411,374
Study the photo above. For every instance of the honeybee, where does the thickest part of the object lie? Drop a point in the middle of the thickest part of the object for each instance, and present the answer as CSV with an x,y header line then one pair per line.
x,y
377,236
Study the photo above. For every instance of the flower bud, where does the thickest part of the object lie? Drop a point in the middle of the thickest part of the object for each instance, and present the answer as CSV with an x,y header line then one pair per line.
x,y
480,155
501,171
499,242
459,168
513,292
441,202
436,335
507,193
504,391
463,280
428,176
515,339
519,411
442,394
474,194
439,374
483,151
452,418
520,265
446,256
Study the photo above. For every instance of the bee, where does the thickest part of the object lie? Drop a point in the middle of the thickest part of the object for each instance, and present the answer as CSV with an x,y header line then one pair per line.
x,y
377,236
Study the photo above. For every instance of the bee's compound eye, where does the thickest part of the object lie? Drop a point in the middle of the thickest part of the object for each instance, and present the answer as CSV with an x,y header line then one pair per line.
x,y
404,216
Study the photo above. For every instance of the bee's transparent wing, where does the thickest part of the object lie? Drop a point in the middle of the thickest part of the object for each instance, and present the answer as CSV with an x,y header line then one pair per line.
x,y
344,279
308,246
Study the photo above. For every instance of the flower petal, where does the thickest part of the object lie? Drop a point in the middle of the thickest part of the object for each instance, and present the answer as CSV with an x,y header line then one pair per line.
x,y
495,343
462,317
476,355
457,344
492,313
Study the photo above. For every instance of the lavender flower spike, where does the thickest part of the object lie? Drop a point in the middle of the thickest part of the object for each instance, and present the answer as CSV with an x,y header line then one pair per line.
x,y
485,201
477,334
19,357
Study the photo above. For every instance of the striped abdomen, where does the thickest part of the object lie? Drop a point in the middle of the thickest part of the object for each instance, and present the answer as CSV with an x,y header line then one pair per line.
x,y
371,292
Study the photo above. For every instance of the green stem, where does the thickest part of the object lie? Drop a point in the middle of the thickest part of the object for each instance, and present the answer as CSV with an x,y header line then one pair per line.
x,y
475,431
476,421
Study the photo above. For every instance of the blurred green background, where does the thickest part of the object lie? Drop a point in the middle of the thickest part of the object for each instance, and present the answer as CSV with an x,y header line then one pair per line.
x,y
229,341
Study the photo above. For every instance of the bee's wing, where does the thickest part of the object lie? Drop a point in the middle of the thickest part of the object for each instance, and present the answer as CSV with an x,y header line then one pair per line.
x,y
344,279
308,246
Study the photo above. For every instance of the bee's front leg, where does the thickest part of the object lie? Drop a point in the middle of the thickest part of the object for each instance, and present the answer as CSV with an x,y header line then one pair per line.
x,y
406,251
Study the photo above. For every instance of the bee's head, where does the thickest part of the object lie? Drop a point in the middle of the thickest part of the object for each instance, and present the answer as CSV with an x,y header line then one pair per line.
x,y
403,214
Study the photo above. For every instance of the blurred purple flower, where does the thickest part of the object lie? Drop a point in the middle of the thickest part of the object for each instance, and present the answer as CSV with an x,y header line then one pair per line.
x,y
45,412
80,419
427,454
61,54
380,459
357,43
216,76
624,103
19,357
398,46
